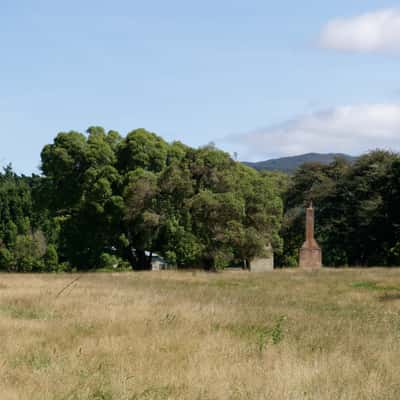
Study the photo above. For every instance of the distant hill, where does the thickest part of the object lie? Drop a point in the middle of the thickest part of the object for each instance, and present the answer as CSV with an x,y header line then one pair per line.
x,y
289,164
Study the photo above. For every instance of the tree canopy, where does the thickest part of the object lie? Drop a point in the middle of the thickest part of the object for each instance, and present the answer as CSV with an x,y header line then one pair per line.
x,y
358,222
107,199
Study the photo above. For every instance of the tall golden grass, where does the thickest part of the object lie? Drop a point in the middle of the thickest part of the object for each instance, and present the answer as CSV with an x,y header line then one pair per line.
x,y
331,334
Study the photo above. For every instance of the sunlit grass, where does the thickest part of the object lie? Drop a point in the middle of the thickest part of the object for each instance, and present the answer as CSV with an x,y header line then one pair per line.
x,y
331,334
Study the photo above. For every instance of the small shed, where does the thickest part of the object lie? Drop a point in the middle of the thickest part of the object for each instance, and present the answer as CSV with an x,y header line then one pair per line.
x,y
263,264
158,263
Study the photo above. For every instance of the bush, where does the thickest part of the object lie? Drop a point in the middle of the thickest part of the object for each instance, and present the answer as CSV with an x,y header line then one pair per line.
x,y
109,261
26,263
6,259
29,251
51,258
124,265
170,257
222,259
65,267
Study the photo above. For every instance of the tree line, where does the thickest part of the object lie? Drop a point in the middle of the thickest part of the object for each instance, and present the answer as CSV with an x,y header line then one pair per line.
x,y
103,200
357,210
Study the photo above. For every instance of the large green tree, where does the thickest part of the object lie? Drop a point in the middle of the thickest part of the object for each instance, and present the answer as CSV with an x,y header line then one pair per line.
x,y
136,195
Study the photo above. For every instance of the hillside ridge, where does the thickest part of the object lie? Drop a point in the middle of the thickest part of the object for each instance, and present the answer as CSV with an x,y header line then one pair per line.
x,y
289,164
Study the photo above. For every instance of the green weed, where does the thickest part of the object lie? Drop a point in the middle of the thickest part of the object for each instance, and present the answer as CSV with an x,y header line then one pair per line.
x,y
374,286
155,393
24,311
168,319
34,360
260,334
100,394
365,285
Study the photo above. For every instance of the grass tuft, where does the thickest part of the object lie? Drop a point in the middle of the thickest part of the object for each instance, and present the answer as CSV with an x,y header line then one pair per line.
x,y
25,309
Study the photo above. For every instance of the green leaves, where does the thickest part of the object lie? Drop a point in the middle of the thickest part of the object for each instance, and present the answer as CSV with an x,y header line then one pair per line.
x,y
356,210
130,197
142,149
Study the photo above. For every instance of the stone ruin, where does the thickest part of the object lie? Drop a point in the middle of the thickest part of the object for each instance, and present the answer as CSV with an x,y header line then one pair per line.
x,y
310,252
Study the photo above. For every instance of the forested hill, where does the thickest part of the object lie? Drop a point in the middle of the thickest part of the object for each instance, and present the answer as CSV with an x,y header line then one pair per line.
x,y
290,164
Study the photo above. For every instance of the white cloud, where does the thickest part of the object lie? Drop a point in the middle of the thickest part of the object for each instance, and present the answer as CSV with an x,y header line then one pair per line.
x,y
373,32
349,129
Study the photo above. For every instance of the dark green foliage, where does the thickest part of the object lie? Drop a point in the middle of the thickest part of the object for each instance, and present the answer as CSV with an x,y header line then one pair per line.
x,y
135,196
7,260
109,261
23,242
142,149
50,258
357,213
105,200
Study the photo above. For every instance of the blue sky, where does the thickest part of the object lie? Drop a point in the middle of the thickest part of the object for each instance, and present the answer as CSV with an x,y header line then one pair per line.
x,y
263,78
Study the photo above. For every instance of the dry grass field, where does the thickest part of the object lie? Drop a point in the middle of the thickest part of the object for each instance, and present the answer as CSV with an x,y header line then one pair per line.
x,y
332,334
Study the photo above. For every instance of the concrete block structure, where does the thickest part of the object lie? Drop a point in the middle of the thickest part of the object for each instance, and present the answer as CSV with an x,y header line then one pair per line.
x,y
263,264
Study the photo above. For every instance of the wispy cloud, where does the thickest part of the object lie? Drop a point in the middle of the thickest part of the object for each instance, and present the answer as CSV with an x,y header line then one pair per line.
x,y
348,129
377,31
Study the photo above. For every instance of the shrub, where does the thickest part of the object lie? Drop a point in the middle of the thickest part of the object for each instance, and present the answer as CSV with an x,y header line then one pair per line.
x,y
6,259
29,251
51,258
109,261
